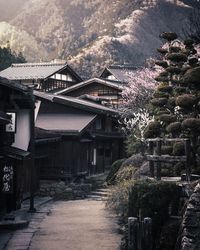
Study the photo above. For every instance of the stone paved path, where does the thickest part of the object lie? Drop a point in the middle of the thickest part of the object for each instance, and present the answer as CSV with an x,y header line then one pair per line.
x,y
71,225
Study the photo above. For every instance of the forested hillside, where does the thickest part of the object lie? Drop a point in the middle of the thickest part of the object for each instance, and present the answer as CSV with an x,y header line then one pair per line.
x,y
90,34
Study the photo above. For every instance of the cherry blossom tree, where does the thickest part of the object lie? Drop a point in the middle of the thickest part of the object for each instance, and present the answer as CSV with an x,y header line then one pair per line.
x,y
135,114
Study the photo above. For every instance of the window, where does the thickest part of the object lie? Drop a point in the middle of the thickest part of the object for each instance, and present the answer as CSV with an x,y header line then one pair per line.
x,y
99,124
94,162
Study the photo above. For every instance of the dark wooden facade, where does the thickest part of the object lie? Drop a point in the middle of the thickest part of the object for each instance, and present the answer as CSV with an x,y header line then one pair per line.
x,y
47,77
89,150
108,93
14,160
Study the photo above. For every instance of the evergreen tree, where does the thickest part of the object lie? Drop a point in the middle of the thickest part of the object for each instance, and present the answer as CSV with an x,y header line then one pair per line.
x,y
176,101
7,57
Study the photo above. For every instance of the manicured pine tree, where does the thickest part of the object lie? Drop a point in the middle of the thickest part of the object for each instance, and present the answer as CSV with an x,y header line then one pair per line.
x,y
176,101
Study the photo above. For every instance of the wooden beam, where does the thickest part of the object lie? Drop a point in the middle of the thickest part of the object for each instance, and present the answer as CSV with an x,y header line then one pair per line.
x,y
165,158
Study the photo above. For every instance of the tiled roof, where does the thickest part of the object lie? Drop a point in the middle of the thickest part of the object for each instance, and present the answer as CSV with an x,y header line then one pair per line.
x,y
64,122
14,85
76,103
120,72
26,71
82,84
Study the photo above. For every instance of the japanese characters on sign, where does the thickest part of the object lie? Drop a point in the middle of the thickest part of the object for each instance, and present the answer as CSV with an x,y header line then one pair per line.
x,y
11,127
8,174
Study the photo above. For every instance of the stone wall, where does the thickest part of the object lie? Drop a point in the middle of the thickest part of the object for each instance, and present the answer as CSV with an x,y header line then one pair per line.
x,y
190,233
59,190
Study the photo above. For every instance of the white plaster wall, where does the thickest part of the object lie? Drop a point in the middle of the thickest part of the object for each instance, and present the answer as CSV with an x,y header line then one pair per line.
x,y
23,130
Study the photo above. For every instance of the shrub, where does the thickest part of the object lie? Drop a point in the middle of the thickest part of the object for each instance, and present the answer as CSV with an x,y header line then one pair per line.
x,y
174,49
186,101
163,64
162,51
192,76
166,150
113,171
134,147
192,124
172,101
159,101
118,198
125,174
180,90
164,73
152,130
164,88
177,57
173,70
159,94
152,199
167,118
174,128
178,149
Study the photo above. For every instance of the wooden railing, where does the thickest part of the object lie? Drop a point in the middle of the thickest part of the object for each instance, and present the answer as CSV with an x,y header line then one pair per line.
x,y
155,155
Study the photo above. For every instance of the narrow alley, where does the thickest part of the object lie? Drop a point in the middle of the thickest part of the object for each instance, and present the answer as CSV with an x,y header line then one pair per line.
x,y
72,225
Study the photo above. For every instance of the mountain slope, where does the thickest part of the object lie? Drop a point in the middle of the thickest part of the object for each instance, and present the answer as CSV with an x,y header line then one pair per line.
x,y
91,34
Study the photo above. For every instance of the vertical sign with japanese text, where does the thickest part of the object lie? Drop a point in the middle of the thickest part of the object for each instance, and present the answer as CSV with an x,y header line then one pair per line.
x,y
11,127
8,175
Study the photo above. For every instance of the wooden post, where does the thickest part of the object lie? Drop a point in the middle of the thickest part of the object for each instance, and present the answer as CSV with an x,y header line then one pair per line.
x,y
188,162
133,233
158,149
32,163
147,234
151,163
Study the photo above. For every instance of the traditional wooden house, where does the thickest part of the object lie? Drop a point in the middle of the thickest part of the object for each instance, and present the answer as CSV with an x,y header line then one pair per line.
x,y
96,90
47,77
16,133
118,73
75,137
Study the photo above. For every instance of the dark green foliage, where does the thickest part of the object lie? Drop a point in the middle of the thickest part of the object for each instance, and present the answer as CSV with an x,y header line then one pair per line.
x,y
161,79
174,49
192,76
159,94
186,101
7,57
152,130
162,51
134,147
167,118
166,150
172,102
153,199
193,61
178,149
163,74
177,57
188,42
180,90
173,70
192,124
174,128
162,64
164,88
159,102
169,36
179,168
113,171
185,68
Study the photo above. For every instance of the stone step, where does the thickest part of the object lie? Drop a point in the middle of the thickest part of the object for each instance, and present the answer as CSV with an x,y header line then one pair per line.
x,y
99,194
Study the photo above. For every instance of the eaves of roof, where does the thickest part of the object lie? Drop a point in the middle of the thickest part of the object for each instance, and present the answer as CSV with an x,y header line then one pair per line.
x,y
77,103
85,83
